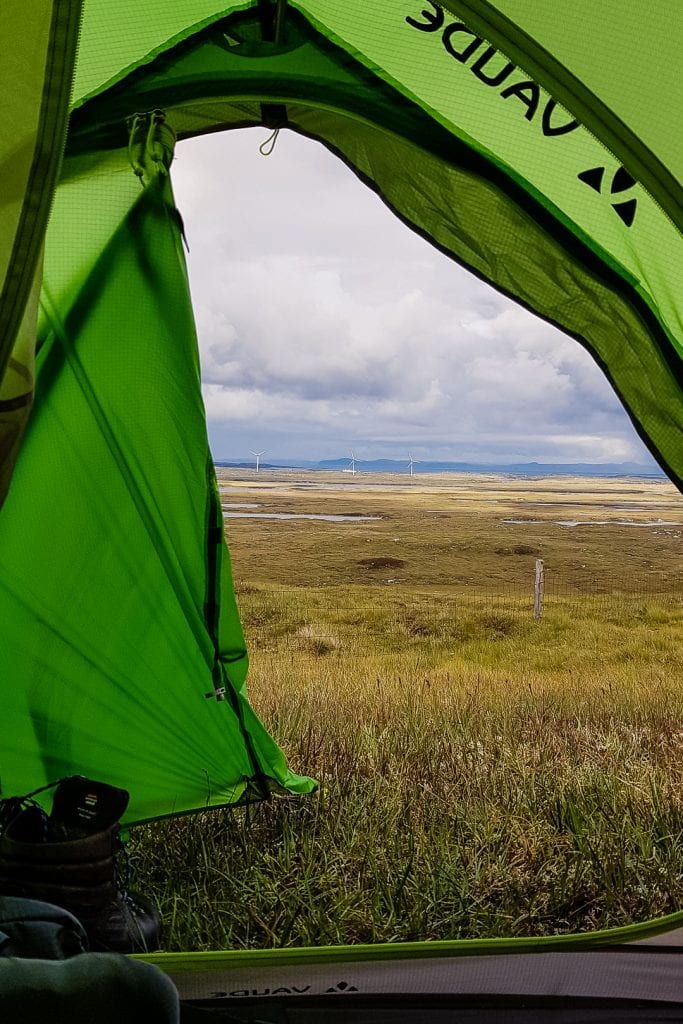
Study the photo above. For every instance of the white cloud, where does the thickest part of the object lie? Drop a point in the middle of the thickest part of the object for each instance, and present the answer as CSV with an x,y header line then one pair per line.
x,y
323,323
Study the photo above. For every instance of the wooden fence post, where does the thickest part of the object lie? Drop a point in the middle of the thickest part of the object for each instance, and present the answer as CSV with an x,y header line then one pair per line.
x,y
538,589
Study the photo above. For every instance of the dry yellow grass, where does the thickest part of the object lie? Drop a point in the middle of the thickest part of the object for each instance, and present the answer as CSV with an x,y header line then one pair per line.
x,y
481,773
452,531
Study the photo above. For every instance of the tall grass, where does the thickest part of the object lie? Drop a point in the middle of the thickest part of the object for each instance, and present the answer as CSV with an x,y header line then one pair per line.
x,y
481,774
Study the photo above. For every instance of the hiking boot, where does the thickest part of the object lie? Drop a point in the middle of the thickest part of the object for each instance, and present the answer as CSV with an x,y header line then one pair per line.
x,y
70,859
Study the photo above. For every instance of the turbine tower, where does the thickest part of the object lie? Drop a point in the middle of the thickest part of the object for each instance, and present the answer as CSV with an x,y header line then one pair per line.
x,y
258,456
412,462
353,464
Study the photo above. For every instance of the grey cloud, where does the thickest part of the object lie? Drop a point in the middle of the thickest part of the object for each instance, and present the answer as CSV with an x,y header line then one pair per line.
x,y
323,322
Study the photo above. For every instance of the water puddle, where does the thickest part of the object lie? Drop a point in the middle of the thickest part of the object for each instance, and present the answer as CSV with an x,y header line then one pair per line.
x,y
627,506
300,515
314,486
591,522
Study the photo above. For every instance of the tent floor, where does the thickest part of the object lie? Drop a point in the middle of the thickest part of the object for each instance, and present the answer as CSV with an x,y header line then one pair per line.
x,y
434,1010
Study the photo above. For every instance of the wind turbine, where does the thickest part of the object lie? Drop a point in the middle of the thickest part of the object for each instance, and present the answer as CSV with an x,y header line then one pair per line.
x,y
258,456
412,462
353,464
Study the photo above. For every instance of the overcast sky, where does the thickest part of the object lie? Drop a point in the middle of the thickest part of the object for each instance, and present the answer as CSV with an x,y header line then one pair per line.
x,y
326,326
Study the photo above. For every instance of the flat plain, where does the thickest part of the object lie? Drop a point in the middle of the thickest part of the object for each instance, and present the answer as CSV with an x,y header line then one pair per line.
x,y
452,530
483,772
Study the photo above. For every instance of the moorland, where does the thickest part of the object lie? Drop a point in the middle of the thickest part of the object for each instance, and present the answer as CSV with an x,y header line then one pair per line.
x,y
482,771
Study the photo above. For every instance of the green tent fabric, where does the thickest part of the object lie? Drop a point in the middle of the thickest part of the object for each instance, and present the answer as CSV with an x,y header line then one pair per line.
x,y
36,74
618,74
115,677
465,144
523,145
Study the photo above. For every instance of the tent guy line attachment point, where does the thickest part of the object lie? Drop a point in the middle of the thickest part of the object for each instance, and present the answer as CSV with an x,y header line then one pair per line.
x,y
267,147
151,143
218,693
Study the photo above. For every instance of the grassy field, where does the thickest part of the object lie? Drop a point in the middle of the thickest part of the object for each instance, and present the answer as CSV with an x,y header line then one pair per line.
x,y
481,772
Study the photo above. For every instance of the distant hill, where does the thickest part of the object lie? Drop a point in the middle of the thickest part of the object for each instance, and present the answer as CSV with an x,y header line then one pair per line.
x,y
535,469
616,469
234,464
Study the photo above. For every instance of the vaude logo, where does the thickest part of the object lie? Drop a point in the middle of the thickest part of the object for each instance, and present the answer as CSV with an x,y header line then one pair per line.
x,y
342,987
283,990
621,182
491,68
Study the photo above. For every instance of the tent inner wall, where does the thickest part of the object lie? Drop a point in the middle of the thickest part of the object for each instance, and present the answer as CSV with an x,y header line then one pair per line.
x,y
122,635
447,184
